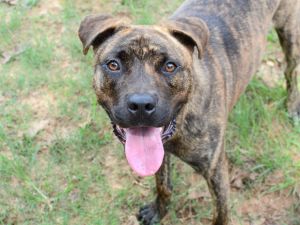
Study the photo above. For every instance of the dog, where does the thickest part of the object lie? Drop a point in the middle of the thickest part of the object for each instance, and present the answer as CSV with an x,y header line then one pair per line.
x,y
168,88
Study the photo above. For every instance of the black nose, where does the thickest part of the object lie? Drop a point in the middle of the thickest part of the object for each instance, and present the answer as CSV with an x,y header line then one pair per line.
x,y
141,104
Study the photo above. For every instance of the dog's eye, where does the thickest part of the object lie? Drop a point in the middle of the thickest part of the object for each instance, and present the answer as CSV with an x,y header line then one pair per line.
x,y
113,65
169,67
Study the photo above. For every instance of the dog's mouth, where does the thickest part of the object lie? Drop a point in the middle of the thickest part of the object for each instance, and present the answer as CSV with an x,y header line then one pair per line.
x,y
144,146
166,131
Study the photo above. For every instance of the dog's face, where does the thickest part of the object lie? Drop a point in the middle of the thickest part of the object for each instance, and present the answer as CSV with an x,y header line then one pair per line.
x,y
141,77
143,74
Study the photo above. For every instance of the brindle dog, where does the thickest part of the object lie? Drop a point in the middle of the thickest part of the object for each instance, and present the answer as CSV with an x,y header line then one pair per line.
x,y
191,69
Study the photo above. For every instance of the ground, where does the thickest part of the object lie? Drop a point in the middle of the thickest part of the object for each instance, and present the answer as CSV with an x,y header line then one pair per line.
x,y
61,164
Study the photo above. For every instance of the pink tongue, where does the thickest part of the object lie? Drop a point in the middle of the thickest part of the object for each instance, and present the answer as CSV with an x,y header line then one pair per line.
x,y
144,150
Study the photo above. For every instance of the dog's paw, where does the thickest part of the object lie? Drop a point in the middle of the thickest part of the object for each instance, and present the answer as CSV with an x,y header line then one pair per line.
x,y
148,215
294,111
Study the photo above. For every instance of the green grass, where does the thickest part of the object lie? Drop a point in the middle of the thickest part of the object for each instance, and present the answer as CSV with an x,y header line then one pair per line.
x,y
260,129
10,22
72,171
143,12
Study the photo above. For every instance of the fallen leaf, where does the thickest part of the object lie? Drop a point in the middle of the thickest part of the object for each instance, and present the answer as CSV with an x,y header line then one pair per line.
x,y
258,221
240,178
296,192
8,56
2,99
186,212
10,2
74,195
270,63
132,220
237,183
236,179
198,194
37,126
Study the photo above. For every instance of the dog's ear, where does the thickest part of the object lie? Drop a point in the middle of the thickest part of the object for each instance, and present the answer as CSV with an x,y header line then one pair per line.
x,y
191,32
95,29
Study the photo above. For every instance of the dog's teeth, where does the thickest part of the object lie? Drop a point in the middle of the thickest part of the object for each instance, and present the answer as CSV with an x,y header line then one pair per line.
x,y
169,131
119,132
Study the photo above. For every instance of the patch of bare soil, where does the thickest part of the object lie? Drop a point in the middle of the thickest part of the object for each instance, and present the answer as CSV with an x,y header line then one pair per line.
x,y
46,8
254,206
271,70
116,177
131,220
119,172
264,207
42,103
4,151
269,209
3,99
92,7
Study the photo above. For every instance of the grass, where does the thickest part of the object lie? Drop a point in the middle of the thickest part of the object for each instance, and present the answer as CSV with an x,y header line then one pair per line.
x,y
264,132
72,170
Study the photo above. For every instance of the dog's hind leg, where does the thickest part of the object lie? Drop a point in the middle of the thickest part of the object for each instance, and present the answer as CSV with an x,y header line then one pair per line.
x,y
152,213
287,25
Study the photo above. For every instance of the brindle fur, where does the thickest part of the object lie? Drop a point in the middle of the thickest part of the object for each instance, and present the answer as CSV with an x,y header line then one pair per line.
x,y
220,45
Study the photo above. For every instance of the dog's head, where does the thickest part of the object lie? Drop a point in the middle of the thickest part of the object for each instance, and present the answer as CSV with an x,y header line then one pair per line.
x,y
143,77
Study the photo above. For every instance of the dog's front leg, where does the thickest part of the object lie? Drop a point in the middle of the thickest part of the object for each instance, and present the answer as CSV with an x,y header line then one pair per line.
x,y
155,211
218,183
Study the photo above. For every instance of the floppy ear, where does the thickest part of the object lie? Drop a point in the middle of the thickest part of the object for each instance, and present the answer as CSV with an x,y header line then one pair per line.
x,y
191,32
95,29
